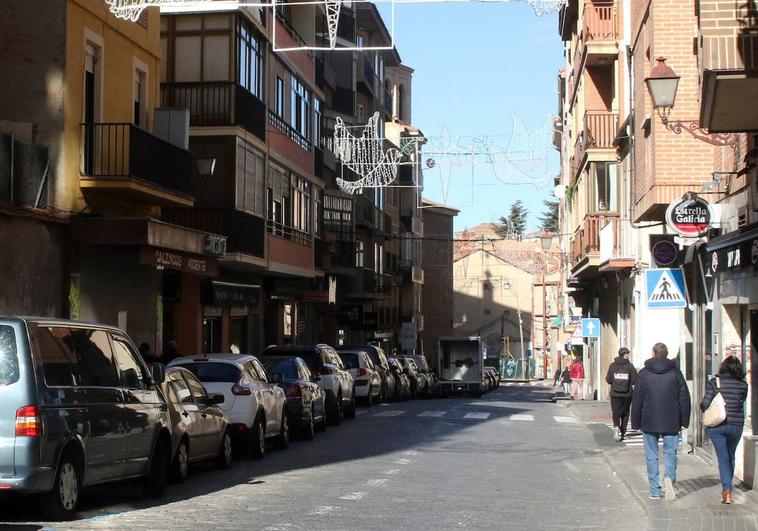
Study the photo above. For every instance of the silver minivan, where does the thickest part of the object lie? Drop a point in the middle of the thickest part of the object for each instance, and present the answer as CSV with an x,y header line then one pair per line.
x,y
78,407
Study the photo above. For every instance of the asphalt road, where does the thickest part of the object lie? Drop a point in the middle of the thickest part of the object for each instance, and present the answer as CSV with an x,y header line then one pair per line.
x,y
510,460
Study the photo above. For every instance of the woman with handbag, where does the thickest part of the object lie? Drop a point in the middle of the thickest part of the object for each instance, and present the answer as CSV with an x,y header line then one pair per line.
x,y
724,407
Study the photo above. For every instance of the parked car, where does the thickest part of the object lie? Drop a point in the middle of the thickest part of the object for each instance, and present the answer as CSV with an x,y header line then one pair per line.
x,y
379,358
367,380
306,401
488,384
336,380
199,429
402,380
256,407
494,376
422,365
78,407
419,383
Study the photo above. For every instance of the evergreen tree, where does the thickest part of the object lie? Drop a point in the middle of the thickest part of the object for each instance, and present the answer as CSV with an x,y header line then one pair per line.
x,y
549,218
513,225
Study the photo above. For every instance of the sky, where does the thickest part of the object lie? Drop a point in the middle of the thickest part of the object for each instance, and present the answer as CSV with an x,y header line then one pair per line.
x,y
478,65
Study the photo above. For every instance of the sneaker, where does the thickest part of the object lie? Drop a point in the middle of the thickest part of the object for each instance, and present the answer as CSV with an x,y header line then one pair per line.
x,y
668,489
617,434
656,497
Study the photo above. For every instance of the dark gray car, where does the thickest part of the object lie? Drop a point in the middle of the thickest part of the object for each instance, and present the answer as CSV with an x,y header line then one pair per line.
x,y
78,407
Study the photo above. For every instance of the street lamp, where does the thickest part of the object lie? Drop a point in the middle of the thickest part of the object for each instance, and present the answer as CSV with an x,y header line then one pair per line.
x,y
662,84
546,240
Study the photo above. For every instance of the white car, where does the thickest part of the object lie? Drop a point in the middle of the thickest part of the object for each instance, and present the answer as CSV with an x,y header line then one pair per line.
x,y
368,381
256,407
335,380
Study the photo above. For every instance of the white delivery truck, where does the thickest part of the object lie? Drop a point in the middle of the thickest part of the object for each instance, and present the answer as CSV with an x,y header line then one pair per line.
x,y
460,365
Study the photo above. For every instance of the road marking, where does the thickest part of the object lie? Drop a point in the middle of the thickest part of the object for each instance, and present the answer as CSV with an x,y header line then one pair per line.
x,y
436,414
403,461
361,412
354,496
393,472
392,413
410,452
566,420
476,416
324,509
526,418
377,482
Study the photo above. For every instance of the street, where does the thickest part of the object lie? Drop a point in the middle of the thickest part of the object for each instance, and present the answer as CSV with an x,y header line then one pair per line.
x,y
510,460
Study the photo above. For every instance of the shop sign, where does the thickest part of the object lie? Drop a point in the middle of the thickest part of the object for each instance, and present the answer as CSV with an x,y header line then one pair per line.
x,y
178,261
232,295
215,245
314,297
741,256
690,216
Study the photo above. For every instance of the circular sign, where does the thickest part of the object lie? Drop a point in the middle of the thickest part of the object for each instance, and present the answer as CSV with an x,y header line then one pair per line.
x,y
665,253
690,216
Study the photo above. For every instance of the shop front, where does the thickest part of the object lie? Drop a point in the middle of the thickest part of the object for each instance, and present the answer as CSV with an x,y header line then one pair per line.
x,y
231,317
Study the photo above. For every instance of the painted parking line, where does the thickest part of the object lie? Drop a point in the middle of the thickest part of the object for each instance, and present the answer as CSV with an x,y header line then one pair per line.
x,y
566,420
436,414
525,418
361,412
354,496
390,413
476,416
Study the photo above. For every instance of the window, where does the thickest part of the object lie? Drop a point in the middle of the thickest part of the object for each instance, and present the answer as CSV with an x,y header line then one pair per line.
x,y
301,204
279,97
215,372
379,67
359,253
197,390
605,186
360,41
130,371
287,320
8,356
303,371
251,177
211,334
317,106
76,357
379,258
300,118
179,387
140,119
360,113
250,60
286,369
260,370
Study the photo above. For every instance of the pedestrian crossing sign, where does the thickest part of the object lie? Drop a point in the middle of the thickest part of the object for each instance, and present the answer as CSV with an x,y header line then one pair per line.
x,y
665,288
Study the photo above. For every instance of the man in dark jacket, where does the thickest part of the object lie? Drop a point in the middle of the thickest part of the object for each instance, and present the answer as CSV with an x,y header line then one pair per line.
x,y
621,376
661,409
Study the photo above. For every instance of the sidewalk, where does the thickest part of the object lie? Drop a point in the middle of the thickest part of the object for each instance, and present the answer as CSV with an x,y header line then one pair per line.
x,y
698,501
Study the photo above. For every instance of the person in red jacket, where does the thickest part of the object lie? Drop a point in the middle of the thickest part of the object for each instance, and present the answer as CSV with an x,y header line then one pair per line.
x,y
576,372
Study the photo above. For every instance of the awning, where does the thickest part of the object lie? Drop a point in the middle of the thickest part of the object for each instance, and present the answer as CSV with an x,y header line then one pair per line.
x,y
232,295
734,250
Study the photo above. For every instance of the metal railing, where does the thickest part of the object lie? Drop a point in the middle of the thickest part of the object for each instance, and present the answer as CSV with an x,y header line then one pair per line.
x,y
245,232
600,21
122,150
586,239
288,233
294,135
600,128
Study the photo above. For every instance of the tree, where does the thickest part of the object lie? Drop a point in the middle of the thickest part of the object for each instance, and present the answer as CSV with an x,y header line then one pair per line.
x,y
514,225
549,217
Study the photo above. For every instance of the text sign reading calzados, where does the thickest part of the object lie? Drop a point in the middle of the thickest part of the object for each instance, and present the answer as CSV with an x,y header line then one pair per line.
x,y
691,218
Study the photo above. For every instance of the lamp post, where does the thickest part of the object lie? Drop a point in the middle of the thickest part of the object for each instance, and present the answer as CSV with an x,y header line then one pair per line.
x,y
662,84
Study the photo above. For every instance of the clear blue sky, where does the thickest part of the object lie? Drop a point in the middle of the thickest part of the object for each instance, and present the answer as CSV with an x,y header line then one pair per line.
x,y
475,64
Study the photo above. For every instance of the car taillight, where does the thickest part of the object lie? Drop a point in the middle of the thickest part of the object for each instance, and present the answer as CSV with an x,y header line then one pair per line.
x,y
294,391
241,390
28,422
362,372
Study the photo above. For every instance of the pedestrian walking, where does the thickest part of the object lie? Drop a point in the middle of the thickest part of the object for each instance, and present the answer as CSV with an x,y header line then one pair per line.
x,y
730,382
562,376
621,376
661,409
576,373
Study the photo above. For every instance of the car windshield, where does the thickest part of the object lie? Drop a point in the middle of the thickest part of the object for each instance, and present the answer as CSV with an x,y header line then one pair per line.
x,y
286,368
8,356
214,372
422,364
351,358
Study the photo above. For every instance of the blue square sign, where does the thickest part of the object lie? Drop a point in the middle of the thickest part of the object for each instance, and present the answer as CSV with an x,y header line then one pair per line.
x,y
665,288
591,327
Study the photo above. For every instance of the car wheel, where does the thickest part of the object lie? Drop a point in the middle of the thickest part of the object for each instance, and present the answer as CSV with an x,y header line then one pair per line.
x,y
370,397
257,439
283,441
308,430
180,466
61,502
225,453
154,485
350,413
321,426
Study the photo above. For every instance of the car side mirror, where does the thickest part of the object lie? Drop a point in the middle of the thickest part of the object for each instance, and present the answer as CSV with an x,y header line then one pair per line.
x,y
214,400
158,372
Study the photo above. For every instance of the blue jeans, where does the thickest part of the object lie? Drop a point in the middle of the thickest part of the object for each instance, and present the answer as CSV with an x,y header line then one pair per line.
x,y
670,446
725,439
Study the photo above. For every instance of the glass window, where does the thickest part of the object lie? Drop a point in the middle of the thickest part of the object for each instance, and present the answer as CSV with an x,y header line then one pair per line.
x,y
359,253
317,106
287,320
305,373
214,372
605,187
250,60
300,119
287,369
261,371
130,371
280,97
197,390
8,356
351,358
75,357
179,386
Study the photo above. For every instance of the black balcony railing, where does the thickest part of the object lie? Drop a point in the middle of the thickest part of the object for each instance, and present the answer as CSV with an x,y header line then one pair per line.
x,y
126,151
294,135
368,80
344,101
346,27
216,104
245,232
365,212
365,283
288,233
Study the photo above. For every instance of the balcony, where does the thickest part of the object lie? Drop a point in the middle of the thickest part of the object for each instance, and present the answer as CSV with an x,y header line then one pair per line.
x,y
595,142
616,250
346,27
597,42
293,134
288,233
245,232
366,77
124,162
585,245
364,284
217,104
326,78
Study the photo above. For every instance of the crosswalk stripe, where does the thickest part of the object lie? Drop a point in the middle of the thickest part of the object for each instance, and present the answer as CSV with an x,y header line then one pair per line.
x,y
436,414
566,420
390,413
527,418
476,416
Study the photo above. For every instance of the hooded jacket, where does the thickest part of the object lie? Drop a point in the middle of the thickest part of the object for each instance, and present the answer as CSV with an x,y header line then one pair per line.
x,y
661,400
621,368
